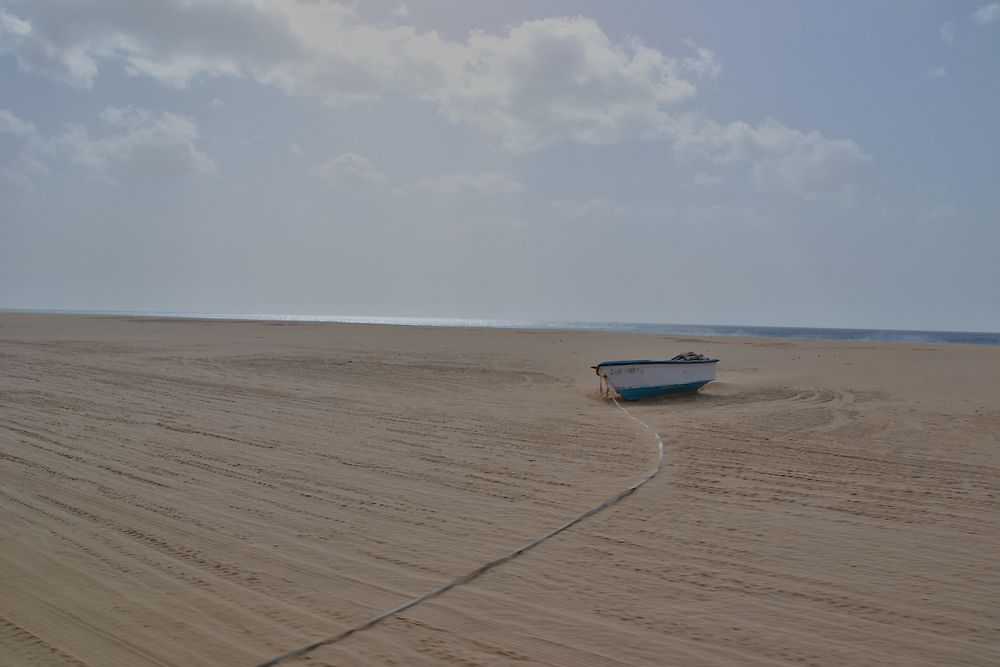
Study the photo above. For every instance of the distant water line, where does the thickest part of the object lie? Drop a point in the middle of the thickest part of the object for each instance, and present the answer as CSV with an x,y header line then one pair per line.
x,y
697,330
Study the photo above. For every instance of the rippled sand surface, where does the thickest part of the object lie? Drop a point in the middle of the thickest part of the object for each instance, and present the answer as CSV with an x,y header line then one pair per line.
x,y
180,492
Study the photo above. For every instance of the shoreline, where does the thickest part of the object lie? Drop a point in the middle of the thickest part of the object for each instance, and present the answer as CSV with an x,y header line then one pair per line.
x,y
930,336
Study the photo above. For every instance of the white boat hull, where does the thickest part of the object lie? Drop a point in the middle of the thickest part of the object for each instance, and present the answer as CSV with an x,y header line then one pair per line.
x,y
641,378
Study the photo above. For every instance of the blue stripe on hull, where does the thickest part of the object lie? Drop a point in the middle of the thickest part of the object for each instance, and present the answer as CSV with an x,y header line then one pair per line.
x,y
645,392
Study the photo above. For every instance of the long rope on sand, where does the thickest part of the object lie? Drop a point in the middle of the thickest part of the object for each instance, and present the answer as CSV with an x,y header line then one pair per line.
x,y
482,569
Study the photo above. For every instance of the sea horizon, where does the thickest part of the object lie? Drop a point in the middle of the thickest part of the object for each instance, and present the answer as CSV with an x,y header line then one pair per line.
x,y
706,330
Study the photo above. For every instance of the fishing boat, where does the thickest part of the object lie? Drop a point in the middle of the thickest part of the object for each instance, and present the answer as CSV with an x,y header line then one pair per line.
x,y
640,378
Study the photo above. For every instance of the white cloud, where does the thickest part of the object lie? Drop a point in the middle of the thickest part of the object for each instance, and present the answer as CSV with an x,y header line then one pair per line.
x,y
154,143
402,11
12,25
21,173
295,149
491,183
938,72
350,170
146,143
703,63
544,81
556,80
173,41
11,124
704,180
986,14
948,32
783,159
539,83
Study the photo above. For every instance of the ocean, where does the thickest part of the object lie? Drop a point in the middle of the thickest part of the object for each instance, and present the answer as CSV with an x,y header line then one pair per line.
x,y
889,335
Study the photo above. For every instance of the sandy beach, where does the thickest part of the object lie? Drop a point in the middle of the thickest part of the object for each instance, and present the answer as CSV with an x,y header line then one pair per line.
x,y
196,493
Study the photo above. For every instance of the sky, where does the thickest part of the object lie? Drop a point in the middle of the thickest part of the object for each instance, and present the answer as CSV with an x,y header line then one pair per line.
x,y
781,163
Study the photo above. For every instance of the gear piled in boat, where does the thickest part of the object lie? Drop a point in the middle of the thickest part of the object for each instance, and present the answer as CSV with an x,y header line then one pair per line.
x,y
689,356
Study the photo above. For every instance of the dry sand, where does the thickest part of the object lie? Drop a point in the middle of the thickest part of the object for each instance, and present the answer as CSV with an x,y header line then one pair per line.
x,y
213,493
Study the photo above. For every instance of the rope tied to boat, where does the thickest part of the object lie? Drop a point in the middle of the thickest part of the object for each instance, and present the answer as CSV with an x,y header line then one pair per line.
x,y
486,567
605,386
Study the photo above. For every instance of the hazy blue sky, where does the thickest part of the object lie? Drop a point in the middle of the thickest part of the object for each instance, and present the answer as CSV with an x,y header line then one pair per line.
x,y
775,163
